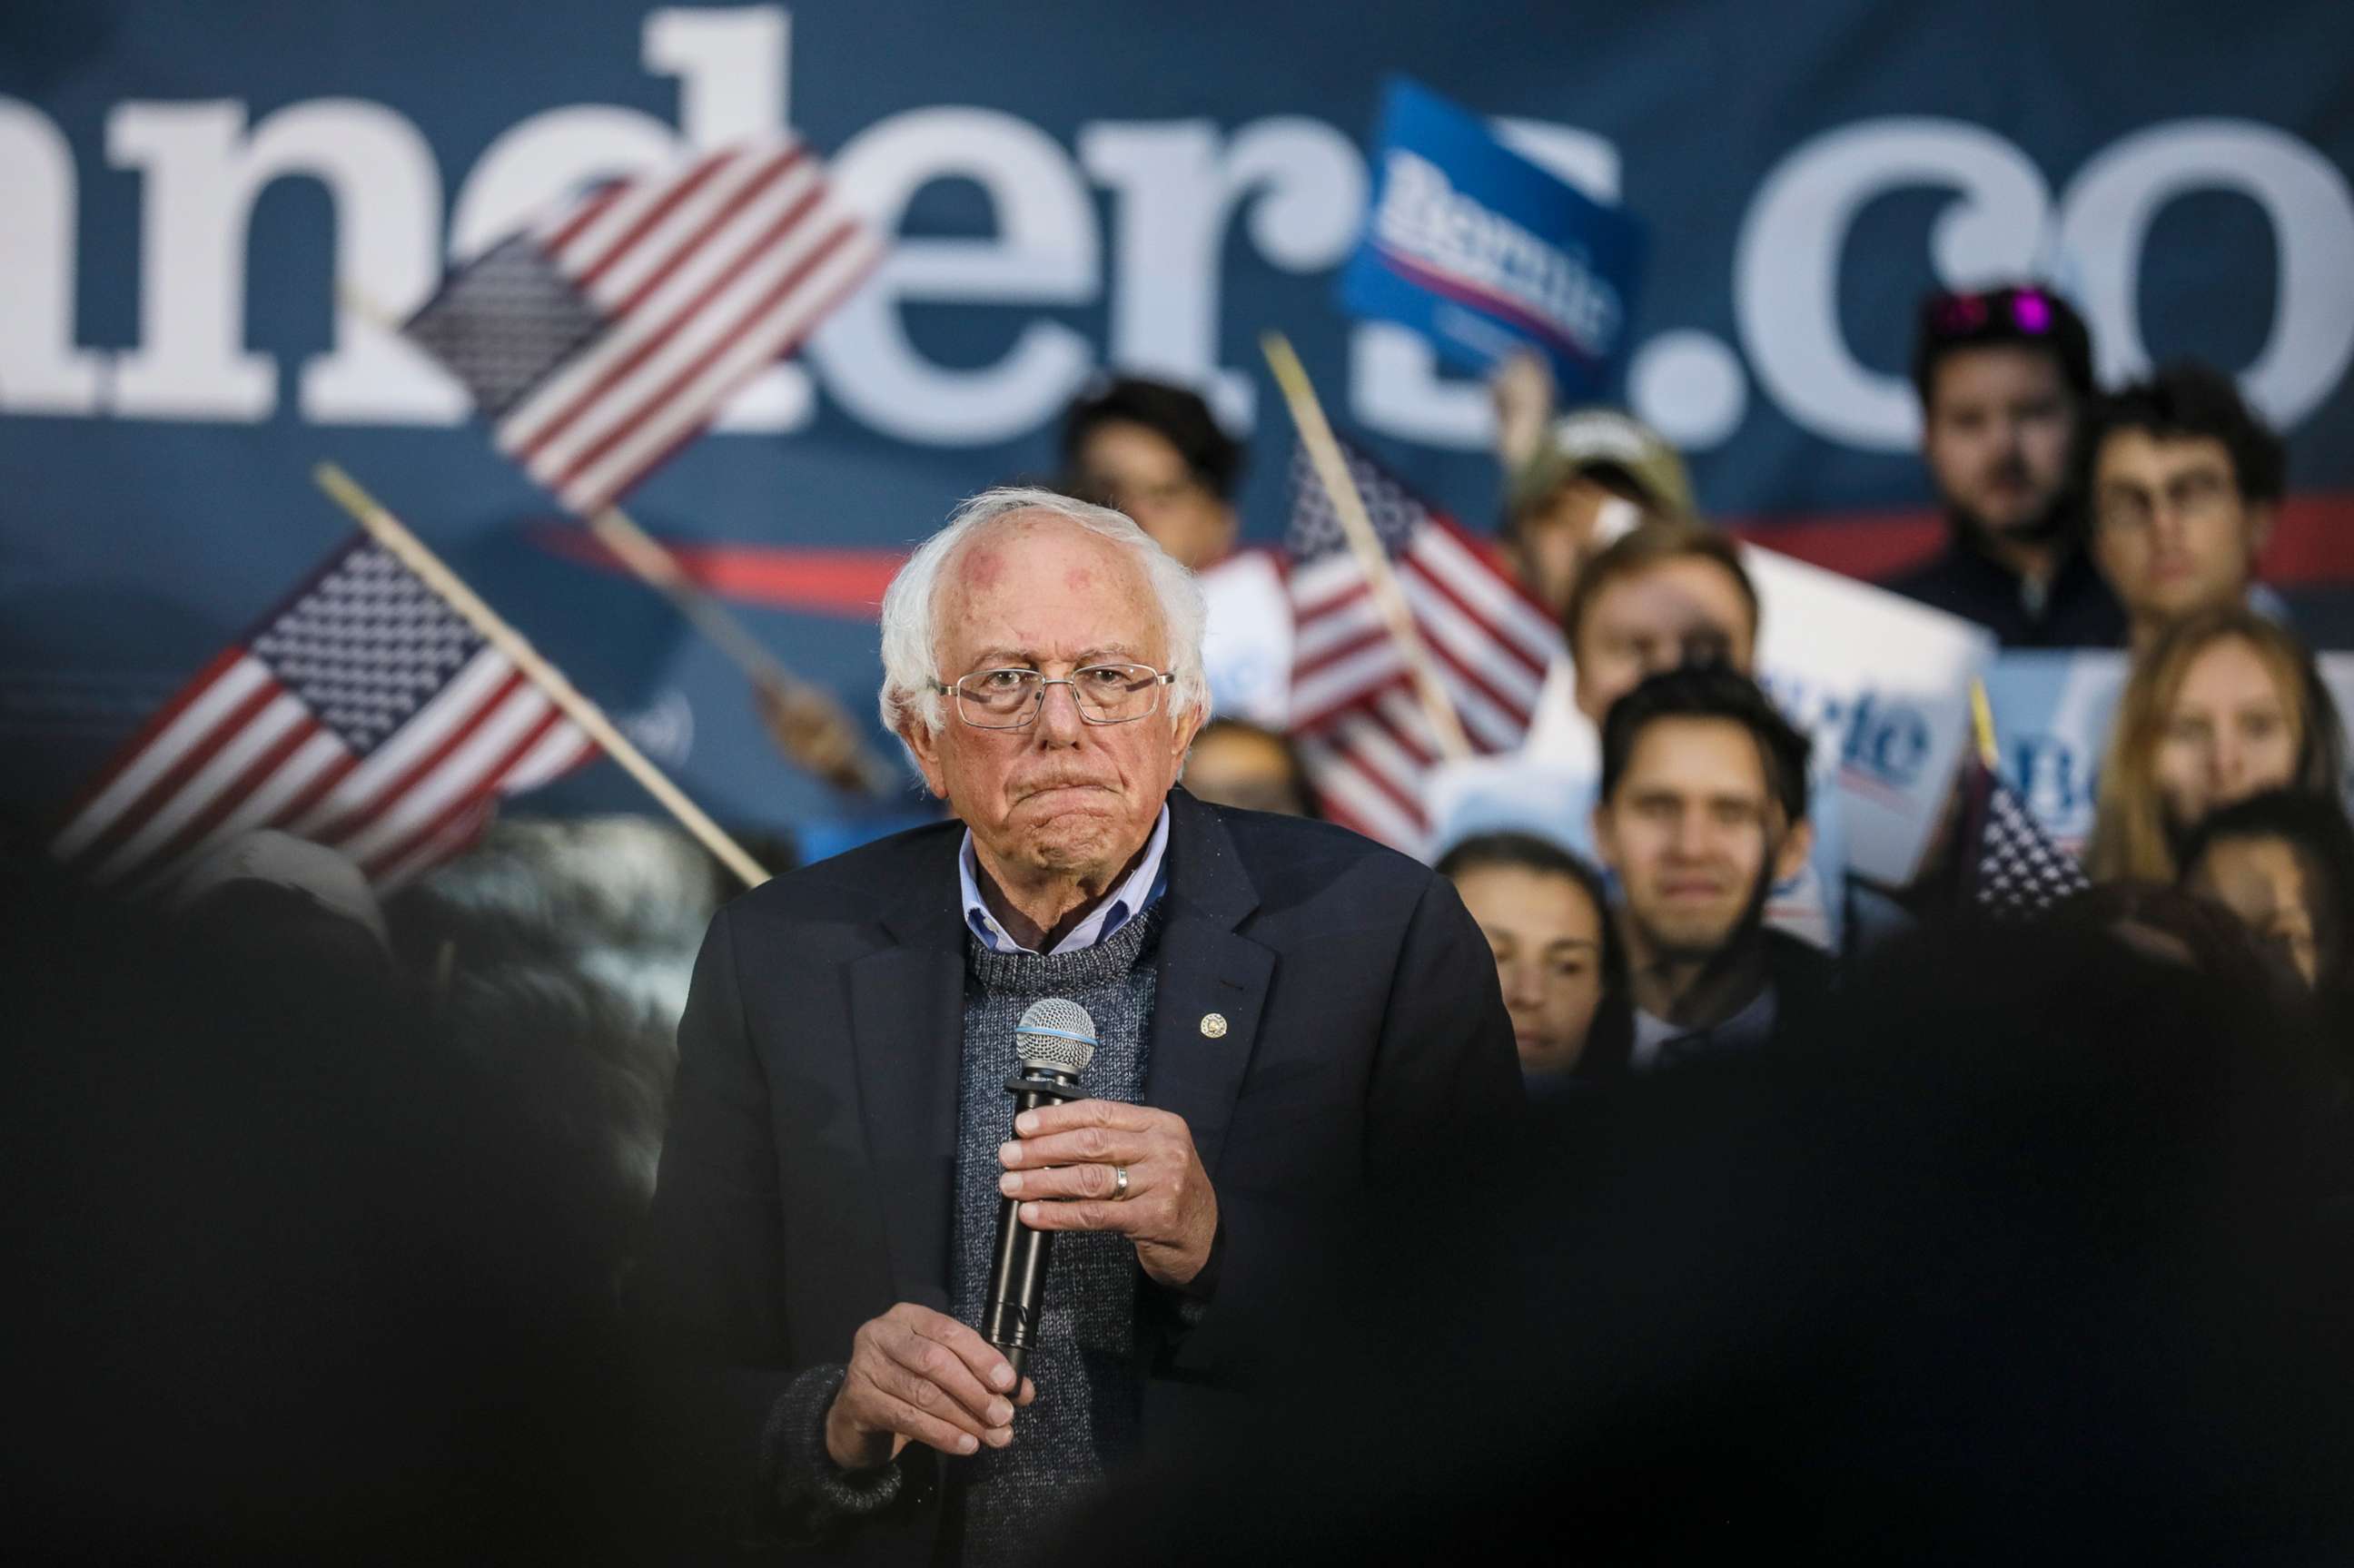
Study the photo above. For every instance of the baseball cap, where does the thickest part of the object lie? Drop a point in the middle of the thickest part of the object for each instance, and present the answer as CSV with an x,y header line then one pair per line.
x,y
1585,439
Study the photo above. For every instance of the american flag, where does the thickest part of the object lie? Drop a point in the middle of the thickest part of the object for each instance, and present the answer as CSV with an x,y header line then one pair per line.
x,y
601,339
2014,872
1360,731
366,715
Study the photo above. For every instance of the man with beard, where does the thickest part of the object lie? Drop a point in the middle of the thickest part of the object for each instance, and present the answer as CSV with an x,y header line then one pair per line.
x,y
2004,377
1703,808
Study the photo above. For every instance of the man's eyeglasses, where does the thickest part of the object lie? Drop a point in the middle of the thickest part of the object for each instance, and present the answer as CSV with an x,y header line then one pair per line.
x,y
1009,699
1997,312
2195,497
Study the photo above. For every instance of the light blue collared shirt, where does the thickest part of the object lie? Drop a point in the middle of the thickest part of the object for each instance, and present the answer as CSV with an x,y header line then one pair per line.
x,y
1129,900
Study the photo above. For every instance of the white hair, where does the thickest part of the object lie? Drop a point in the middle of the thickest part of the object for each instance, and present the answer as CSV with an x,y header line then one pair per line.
x,y
911,604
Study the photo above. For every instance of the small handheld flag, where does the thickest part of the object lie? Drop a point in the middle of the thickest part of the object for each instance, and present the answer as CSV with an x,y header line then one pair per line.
x,y
601,339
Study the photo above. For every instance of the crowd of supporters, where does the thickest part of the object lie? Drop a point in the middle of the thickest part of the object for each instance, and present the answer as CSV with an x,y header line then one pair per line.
x,y
2129,518
334,1203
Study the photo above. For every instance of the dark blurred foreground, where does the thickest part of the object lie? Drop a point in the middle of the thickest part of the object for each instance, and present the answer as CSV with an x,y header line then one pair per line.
x,y
2044,1260
300,1272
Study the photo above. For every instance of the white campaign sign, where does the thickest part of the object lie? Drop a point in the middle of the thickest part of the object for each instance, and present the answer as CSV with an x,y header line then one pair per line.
x,y
2052,713
1879,684
1882,685
1247,642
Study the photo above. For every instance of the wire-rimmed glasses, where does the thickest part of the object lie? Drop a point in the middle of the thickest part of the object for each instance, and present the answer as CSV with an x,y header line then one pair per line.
x,y
1010,698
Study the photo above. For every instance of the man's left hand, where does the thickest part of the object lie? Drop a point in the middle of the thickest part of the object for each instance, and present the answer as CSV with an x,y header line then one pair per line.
x,y
1064,1167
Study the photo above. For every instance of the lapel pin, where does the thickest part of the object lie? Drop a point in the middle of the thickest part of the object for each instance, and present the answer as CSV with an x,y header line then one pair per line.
x,y
1213,1025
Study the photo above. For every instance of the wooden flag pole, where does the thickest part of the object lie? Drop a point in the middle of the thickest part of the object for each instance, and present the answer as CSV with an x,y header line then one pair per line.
x,y
661,570
652,563
655,566
389,532
1389,598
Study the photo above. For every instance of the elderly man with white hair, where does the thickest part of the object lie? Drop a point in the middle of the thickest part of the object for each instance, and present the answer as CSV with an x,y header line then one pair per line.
x,y
1283,1010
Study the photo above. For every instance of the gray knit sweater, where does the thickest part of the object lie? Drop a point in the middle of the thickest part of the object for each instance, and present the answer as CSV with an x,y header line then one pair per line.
x,y
1087,1364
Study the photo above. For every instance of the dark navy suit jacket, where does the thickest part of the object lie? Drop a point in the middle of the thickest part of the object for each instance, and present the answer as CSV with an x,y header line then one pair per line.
x,y
807,1179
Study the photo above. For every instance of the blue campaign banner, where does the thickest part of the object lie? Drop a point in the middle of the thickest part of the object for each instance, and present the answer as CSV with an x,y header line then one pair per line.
x,y
1487,254
206,211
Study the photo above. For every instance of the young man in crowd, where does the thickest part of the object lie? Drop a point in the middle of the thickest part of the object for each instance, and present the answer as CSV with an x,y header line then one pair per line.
x,y
2183,482
1703,809
1155,452
1595,465
1669,593
1573,482
2004,378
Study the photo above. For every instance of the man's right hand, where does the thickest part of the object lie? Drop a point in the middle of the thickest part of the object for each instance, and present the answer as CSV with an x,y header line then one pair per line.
x,y
919,1374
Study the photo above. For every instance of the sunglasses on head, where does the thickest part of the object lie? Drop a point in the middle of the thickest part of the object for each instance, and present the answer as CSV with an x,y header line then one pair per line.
x,y
2030,313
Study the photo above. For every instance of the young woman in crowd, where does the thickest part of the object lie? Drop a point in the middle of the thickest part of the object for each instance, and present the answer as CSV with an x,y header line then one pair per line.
x,y
1558,957
2226,705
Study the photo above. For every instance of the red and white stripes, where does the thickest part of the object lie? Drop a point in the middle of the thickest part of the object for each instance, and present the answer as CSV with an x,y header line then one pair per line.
x,y
1361,730
236,751
705,275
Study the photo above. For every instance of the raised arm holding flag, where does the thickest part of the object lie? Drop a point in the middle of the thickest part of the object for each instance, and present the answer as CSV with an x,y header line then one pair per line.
x,y
1411,646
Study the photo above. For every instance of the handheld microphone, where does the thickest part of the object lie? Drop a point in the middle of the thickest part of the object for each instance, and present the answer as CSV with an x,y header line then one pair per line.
x,y
1054,1042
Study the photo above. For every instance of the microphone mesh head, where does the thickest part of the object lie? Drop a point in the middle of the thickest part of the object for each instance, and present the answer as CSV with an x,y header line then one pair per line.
x,y
1057,1035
